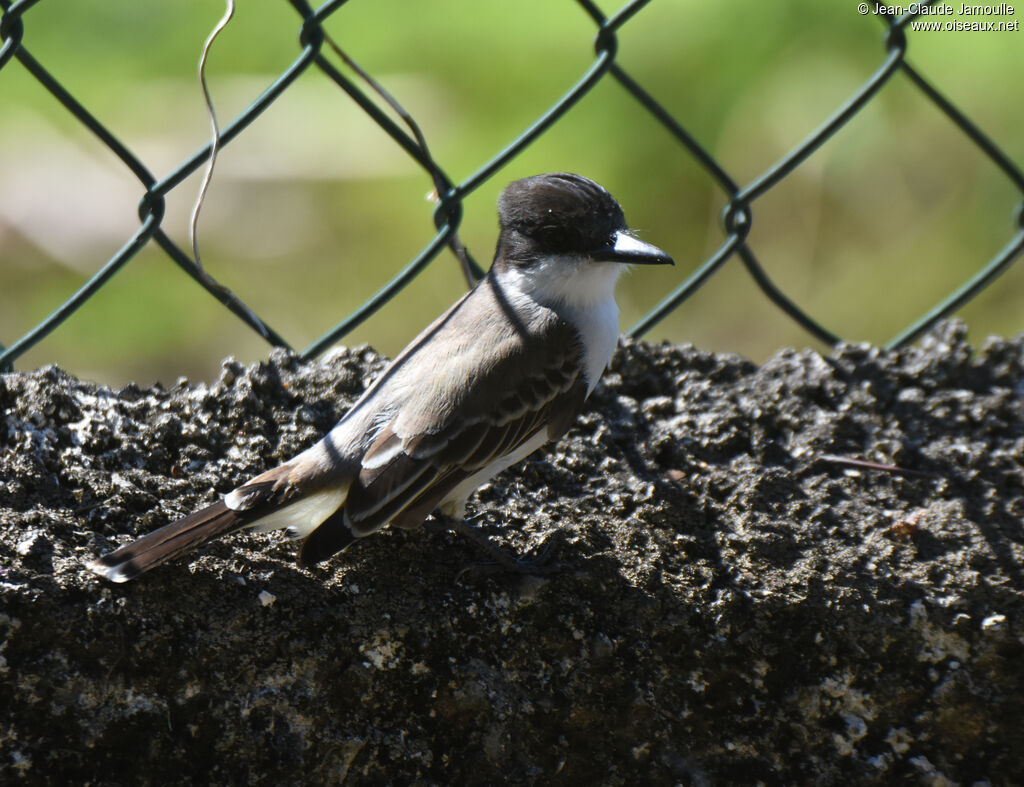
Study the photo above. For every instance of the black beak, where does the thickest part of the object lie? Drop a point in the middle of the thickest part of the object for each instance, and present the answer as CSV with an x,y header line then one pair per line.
x,y
623,247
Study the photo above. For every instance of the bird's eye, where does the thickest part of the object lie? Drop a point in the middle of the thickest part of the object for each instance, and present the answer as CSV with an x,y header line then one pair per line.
x,y
555,238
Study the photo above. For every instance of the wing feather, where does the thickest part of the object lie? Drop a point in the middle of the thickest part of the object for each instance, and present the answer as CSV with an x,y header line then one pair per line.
x,y
458,414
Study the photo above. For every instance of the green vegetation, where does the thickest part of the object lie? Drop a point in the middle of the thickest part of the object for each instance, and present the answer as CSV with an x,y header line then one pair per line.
x,y
313,207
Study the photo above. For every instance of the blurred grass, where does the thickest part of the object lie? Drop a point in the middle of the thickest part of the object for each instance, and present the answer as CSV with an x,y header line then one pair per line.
x,y
313,207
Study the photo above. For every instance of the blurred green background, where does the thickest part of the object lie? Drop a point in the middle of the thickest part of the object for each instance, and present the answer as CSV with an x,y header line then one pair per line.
x,y
313,207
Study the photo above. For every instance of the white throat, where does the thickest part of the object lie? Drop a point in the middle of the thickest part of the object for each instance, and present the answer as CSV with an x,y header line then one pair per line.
x,y
574,281
582,293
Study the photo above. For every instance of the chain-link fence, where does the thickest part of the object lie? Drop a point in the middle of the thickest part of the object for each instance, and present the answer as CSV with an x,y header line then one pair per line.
x,y
319,51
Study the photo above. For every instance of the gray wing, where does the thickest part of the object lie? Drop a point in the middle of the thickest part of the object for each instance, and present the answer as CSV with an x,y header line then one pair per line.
x,y
505,381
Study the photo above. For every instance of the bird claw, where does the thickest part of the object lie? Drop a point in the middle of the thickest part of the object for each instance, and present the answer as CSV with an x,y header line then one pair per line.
x,y
535,567
502,561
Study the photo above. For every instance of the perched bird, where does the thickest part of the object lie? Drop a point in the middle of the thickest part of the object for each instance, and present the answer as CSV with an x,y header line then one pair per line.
x,y
503,371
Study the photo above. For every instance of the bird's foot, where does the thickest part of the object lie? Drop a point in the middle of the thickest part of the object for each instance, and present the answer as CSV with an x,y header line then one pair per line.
x,y
500,560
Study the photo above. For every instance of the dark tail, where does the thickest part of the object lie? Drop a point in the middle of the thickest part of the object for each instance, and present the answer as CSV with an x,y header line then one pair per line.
x,y
169,541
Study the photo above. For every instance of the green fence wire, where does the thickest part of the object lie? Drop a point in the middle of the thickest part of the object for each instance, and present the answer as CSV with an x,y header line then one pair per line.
x,y
316,51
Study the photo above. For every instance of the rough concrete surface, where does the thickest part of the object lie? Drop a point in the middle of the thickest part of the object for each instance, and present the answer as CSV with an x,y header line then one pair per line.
x,y
734,605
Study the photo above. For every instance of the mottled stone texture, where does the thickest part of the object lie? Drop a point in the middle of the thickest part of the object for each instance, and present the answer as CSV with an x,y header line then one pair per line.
x,y
734,605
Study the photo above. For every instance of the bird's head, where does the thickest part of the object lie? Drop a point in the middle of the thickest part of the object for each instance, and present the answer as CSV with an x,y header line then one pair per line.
x,y
565,237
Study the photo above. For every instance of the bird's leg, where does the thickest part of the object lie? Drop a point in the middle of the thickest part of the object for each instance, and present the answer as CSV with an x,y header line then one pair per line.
x,y
500,560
